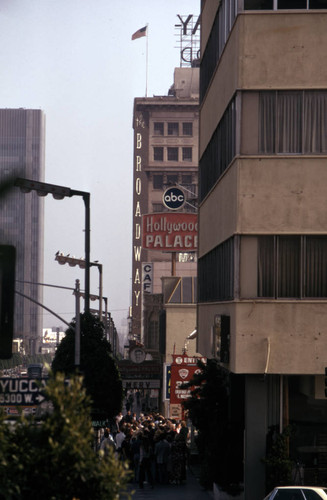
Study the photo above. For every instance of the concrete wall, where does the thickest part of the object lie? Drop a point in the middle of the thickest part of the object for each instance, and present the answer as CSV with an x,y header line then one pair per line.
x,y
180,322
266,50
274,337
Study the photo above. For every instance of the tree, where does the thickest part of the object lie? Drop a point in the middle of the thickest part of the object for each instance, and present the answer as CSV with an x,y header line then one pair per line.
x,y
218,436
53,458
101,376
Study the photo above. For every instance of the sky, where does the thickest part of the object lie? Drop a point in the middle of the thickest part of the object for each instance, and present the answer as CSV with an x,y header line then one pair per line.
x,y
75,60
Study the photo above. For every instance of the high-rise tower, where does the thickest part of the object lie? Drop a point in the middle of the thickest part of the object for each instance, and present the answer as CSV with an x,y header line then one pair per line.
x,y
22,141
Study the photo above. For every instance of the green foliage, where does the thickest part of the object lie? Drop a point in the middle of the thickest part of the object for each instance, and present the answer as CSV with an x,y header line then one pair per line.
x,y
208,409
101,376
53,459
278,463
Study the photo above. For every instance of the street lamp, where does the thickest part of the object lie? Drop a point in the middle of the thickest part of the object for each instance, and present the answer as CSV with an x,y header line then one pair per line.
x,y
58,193
72,261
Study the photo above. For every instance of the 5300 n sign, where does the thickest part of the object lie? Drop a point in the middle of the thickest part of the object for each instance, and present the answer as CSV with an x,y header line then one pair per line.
x,y
21,391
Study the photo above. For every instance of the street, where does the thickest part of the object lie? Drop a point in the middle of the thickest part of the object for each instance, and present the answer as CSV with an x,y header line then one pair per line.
x,y
191,490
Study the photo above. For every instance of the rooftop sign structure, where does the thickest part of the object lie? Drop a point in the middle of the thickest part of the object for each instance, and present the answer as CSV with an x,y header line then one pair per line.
x,y
188,38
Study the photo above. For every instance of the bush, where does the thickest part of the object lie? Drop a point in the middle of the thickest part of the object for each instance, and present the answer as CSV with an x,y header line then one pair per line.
x,y
53,458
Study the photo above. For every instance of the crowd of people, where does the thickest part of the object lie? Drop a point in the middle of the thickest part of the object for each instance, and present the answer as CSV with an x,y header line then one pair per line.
x,y
155,447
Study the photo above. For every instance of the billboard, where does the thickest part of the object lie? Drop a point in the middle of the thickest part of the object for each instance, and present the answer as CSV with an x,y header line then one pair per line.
x,y
183,368
170,232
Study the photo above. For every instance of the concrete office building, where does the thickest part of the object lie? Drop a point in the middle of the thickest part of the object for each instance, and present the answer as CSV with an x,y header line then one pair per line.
x,y
263,223
22,143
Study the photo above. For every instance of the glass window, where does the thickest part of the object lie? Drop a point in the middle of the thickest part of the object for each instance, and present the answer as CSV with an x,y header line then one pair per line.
x,y
172,179
158,128
158,154
172,154
293,122
158,207
311,495
187,154
187,128
258,4
292,4
157,181
186,179
173,128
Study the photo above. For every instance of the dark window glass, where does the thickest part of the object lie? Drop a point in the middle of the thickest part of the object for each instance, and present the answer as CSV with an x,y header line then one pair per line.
x,y
293,122
186,179
158,181
187,128
158,128
266,267
173,128
187,154
292,4
172,179
318,4
258,4
158,154
172,154
158,207
219,152
289,248
316,266
216,273
311,495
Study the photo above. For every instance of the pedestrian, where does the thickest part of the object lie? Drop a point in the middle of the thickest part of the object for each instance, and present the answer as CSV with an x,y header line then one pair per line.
x,y
107,442
146,453
178,460
119,439
162,452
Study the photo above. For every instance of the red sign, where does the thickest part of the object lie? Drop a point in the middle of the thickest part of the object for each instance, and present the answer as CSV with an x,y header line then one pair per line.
x,y
170,232
182,370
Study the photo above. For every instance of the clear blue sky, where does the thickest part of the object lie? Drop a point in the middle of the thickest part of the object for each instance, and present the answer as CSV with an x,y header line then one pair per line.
x,y
75,60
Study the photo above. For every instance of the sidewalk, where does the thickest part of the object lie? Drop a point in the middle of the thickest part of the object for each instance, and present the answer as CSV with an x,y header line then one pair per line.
x,y
191,490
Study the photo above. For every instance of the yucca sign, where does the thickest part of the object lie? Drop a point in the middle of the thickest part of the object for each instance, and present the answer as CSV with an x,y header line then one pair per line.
x,y
170,232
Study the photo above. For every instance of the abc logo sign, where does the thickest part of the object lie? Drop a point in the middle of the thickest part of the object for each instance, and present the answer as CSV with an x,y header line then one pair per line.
x,y
173,198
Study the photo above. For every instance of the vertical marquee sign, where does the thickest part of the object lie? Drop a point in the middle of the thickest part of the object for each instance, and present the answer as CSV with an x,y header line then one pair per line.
x,y
141,135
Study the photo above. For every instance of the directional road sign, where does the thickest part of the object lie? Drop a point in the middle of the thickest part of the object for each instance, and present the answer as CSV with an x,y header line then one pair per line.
x,y
21,391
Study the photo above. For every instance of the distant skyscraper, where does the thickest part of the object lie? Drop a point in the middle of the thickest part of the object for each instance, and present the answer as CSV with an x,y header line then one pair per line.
x,y
22,141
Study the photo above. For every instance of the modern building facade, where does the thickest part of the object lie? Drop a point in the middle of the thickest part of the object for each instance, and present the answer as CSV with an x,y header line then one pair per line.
x,y
263,223
22,154
165,154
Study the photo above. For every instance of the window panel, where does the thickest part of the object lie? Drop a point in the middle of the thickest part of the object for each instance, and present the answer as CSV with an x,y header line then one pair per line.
x,y
187,128
157,181
266,266
187,154
158,128
173,128
292,4
289,122
288,262
293,122
172,179
172,154
315,122
316,266
158,154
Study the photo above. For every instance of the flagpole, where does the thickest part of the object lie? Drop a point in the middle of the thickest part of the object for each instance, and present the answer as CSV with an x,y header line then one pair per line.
x,y
146,62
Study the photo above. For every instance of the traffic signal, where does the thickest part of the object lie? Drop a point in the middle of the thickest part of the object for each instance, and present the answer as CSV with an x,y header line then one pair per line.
x,y
7,292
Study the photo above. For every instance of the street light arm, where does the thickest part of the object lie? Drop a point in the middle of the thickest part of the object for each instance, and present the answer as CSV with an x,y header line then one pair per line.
x,y
44,307
60,192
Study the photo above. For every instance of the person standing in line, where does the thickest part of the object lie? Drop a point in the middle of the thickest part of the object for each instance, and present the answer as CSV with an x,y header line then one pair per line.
x,y
145,461
162,452
119,439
